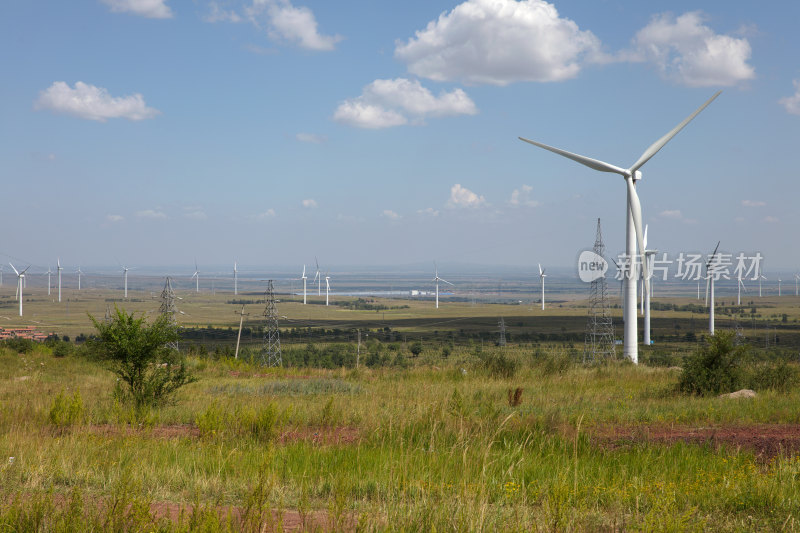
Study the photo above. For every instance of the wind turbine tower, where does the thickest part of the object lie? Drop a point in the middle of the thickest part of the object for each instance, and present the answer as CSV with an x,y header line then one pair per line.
x,y
196,277
20,284
125,279
327,287
318,278
437,279
710,264
59,268
633,230
542,275
739,294
79,277
235,278
49,273
647,288
305,280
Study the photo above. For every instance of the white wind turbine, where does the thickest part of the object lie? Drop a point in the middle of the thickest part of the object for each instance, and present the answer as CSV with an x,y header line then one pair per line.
x,y
542,275
633,231
49,273
437,279
20,284
59,268
196,277
647,290
235,278
796,279
318,278
760,277
741,286
305,279
779,286
79,273
327,287
1,275
125,278
710,281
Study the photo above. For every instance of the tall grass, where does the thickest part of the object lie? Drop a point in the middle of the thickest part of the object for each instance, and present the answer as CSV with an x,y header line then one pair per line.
x,y
431,447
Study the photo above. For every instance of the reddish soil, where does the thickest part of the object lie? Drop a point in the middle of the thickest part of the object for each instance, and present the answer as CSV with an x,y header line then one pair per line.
x,y
765,440
333,435
240,374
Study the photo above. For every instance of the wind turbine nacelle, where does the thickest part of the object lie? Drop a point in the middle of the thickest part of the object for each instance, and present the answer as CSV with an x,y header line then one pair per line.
x,y
637,175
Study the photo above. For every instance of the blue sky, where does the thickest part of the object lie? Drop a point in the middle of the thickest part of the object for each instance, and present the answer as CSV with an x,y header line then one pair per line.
x,y
154,132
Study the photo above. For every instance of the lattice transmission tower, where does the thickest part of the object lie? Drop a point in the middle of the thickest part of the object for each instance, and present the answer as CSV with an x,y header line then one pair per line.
x,y
599,340
502,326
271,352
168,306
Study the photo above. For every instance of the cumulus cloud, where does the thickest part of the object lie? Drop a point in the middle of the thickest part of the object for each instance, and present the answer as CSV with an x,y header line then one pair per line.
x,y
311,138
499,42
115,218
463,197
387,103
522,197
690,53
753,203
150,213
428,211
220,14
391,215
310,203
792,103
92,103
154,9
296,25
671,213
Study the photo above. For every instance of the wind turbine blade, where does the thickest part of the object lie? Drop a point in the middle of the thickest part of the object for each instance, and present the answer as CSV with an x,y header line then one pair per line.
x,y
445,281
636,211
708,280
659,144
26,269
583,160
540,269
15,269
711,259
645,237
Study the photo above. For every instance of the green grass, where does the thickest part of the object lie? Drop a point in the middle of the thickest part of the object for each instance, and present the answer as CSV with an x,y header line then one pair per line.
x,y
434,449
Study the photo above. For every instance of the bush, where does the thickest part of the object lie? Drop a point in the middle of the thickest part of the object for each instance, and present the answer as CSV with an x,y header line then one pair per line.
x,y
499,365
715,367
62,349
65,411
779,377
210,421
142,356
415,349
19,344
261,423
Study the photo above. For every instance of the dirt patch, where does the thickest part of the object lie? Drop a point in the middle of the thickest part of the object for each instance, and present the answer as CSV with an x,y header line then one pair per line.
x,y
173,431
765,440
343,435
240,374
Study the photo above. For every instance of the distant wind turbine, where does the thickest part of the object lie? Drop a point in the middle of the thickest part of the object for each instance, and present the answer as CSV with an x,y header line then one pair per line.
x,y
542,275
760,277
437,279
327,287
305,280
634,230
779,286
647,289
125,278
196,277
79,277
796,279
235,278
741,286
59,268
49,273
318,278
710,281
20,284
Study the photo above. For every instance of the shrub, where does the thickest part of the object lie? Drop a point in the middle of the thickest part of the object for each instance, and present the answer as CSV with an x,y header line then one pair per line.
x,y
500,365
66,411
261,423
19,344
62,349
715,367
210,421
779,376
415,349
142,356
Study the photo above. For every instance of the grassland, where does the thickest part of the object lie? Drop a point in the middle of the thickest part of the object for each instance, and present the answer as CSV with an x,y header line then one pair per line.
x,y
424,443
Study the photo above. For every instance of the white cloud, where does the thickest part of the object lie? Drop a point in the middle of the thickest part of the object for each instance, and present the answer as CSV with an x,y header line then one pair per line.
x,y
269,213
196,214
92,103
463,197
391,215
220,14
771,220
690,53
311,138
150,213
154,9
499,42
671,213
292,24
522,197
115,218
387,103
792,103
428,211
310,203
753,203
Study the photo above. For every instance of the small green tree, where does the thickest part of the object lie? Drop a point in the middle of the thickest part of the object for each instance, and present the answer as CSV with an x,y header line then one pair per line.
x,y
716,367
141,356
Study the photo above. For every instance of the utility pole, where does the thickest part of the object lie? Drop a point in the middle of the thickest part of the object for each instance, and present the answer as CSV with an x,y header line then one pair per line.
x,y
358,349
239,337
502,325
